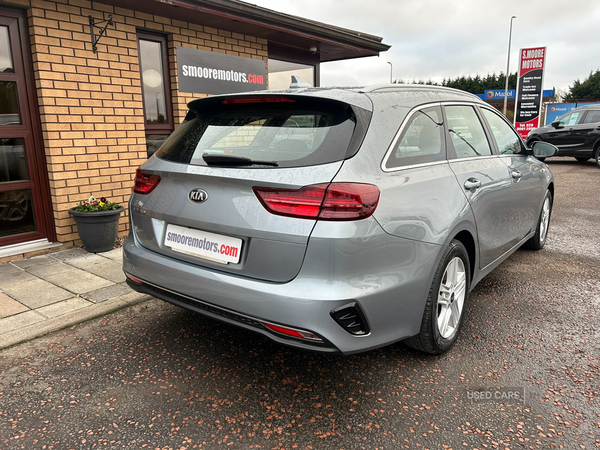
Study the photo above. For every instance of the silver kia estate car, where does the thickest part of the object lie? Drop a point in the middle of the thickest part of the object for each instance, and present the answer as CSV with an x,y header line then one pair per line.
x,y
336,220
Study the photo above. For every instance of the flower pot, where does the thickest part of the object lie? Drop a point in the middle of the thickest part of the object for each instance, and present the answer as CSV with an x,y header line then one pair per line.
x,y
98,230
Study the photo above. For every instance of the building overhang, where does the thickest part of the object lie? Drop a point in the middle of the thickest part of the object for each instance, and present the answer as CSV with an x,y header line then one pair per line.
x,y
296,33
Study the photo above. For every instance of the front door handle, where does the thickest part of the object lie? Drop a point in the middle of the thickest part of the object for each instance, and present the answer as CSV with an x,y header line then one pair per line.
x,y
516,174
472,183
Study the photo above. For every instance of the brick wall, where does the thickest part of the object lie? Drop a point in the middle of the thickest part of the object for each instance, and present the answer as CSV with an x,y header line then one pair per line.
x,y
91,103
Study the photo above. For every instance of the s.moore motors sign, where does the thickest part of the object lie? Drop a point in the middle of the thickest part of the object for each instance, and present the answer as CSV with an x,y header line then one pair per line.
x,y
202,72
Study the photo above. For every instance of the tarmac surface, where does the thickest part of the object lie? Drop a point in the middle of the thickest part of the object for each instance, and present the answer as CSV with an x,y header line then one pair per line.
x,y
524,374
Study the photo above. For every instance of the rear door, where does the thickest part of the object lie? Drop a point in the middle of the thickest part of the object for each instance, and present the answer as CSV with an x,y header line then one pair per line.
x,y
586,134
206,202
484,178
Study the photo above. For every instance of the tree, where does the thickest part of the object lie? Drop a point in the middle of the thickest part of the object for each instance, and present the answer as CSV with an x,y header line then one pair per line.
x,y
586,89
474,85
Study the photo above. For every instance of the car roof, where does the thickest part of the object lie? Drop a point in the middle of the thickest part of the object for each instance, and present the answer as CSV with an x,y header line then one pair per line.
x,y
407,95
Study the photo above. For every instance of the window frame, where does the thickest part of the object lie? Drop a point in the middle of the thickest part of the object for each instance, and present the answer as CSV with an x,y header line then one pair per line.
x,y
490,132
450,150
154,128
387,163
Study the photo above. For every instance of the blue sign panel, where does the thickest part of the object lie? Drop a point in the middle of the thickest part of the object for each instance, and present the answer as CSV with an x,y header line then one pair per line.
x,y
555,110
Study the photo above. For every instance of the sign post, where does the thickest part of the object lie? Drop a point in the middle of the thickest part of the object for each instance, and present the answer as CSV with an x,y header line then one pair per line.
x,y
529,89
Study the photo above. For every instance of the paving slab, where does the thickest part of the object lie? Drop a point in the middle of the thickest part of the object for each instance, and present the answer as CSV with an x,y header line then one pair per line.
x,y
50,268
8,268
63,308
15,277
74,252
103,294
98,265
76,280
115,254
9,306
36,293
37,261
19,321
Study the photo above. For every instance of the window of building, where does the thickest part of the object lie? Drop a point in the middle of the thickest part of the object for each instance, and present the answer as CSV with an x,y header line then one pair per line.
x,y
156,89
280,73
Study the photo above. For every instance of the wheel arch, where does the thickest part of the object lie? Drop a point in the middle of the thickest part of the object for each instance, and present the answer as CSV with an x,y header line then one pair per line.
x,y
466,238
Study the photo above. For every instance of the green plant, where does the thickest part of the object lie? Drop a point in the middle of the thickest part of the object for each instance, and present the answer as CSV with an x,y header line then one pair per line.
x,y
93,205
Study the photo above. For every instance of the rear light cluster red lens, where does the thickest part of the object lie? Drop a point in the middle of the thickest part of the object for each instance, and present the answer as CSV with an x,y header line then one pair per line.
x,y
334,201
144,183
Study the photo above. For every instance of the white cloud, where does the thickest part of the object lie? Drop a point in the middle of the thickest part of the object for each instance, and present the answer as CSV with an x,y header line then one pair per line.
x,y
436,39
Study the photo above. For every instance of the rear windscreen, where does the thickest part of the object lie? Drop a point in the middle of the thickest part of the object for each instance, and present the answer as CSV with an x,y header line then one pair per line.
x,y
289,133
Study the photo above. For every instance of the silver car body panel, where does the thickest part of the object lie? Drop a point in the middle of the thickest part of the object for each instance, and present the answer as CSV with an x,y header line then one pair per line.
x,y
294,272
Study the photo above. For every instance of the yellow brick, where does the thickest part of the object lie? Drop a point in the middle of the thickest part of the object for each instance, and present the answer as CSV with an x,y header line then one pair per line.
x,y
61,34
76,166
84,143
91,103
89,87
67,102
45,23
63,68
67,25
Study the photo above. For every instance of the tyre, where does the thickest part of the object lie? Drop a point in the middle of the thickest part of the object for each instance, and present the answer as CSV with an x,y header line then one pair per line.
x,y
538,240
581,158
446,302
597,156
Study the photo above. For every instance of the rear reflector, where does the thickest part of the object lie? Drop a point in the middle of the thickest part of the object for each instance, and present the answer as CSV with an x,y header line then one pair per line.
x,y
232,101
144,183
293,333
335,201
134,279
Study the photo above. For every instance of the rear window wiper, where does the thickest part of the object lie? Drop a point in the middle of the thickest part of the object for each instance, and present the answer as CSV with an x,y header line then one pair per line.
x,y
230,160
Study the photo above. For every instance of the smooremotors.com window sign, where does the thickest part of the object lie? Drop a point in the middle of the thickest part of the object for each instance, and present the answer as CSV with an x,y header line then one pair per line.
x,y
202,72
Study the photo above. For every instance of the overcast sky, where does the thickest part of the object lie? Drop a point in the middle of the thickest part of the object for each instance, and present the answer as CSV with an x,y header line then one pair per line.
x,y
433,39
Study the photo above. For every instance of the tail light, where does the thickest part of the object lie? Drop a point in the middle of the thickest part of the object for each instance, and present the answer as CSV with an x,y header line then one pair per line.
x,y
334,201
144,183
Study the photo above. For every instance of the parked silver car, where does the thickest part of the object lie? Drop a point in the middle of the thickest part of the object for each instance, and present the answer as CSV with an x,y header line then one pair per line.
x,y
336,220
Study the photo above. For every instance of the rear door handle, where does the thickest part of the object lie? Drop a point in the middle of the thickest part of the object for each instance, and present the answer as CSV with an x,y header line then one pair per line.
x,y
516,174
472,183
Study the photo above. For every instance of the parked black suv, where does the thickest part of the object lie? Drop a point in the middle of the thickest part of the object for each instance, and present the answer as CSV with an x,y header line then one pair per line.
x,y
576,134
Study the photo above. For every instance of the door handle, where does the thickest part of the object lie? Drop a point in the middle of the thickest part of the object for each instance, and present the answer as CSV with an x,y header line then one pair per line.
x,y
472,183
516,174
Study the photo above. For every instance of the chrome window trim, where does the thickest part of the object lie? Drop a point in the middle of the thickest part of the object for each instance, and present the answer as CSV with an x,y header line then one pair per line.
x,y
478,158
405,124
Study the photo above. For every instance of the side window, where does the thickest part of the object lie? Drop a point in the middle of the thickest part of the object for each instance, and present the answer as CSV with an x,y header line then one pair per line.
x,y
592,117
506,138
421,140
466,132
570,119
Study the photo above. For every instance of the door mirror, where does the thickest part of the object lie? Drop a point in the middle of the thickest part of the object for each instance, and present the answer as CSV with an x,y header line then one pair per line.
x,y
541,149
556,124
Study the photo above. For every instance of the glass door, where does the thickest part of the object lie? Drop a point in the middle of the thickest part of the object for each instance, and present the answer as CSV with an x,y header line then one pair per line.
x,y
24,215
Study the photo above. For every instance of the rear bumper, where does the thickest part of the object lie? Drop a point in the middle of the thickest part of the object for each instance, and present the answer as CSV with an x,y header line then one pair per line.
x,y
388,278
